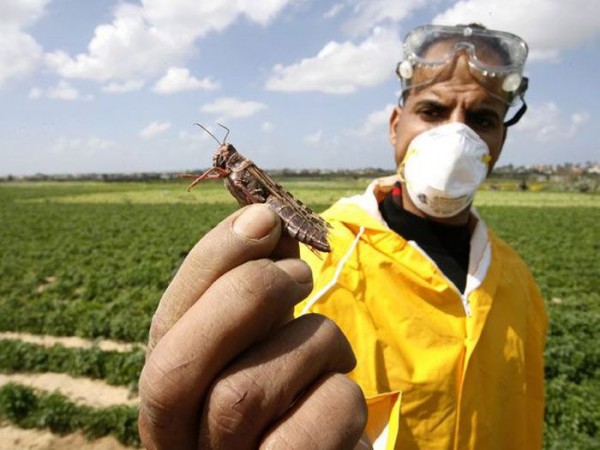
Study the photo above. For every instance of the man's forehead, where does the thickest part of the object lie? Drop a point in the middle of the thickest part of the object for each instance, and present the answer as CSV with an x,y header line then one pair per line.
x,y
443,48
457,77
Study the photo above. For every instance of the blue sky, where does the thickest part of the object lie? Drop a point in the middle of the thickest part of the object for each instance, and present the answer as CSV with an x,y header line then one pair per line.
x,y
116,86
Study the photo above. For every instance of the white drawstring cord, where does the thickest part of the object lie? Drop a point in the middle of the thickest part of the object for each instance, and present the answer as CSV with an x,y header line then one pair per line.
x,y
338,271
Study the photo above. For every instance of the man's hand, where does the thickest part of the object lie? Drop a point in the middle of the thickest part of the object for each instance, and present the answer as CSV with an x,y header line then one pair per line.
x,y
229,368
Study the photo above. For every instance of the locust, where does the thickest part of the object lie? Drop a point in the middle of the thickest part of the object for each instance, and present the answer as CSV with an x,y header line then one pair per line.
x,y
249,184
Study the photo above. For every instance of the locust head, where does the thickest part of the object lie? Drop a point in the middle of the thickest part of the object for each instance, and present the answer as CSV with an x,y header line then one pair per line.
x,y
225,150
223,155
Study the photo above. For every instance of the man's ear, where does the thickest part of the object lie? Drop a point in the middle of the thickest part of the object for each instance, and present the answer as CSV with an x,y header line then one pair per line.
x,y
495,160
394,117
504,133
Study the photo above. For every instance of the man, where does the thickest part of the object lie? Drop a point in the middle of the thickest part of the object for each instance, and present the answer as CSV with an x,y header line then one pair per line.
x,y
437,320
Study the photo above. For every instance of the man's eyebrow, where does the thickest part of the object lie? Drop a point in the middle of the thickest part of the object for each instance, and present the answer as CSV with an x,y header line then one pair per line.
x,y
430,102
484,109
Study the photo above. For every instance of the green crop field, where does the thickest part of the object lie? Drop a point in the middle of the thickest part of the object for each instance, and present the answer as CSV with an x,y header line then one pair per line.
x,y
92,260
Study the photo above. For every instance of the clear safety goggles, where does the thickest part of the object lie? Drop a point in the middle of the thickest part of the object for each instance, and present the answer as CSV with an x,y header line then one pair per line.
x,y
496,60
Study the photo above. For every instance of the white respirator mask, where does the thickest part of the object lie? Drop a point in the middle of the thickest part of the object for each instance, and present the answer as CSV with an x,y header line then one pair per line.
x,y
443,168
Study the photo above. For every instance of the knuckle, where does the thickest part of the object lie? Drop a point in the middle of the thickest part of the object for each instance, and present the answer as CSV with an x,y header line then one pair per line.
x,y
234,405
340,407
329,329
355,402
253,279
156,400
261,282
325,324
154,415
200,259
331,336
282,441
158,328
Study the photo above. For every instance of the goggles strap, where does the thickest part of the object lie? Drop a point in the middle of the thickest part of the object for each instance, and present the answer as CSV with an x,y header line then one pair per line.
x,y
517,115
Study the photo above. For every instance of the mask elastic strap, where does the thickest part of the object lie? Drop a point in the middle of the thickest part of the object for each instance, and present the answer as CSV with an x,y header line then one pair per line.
x,y
400,170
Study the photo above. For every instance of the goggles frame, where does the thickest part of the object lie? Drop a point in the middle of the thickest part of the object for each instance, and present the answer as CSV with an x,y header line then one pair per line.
x,y
509,48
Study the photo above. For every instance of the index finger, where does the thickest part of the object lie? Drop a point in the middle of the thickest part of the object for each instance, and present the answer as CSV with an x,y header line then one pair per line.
x,y
251,233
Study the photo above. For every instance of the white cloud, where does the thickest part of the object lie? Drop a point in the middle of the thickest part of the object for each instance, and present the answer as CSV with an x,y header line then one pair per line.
x,y
548,26
329,143
187,136
314,139
21,13
341,68
261,12
35,93
370,13
144,40
578,119
189,19
129,48
375,124
154,129
267,126
88,146
546,123
20,54
62,91
127,86
178,79
232,108
334,11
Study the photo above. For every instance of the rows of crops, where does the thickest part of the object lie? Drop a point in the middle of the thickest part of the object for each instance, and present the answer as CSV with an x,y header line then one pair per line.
x,y
92,260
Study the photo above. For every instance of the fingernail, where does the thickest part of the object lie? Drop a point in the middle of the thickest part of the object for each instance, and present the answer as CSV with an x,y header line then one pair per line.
x,y
297,269
254,222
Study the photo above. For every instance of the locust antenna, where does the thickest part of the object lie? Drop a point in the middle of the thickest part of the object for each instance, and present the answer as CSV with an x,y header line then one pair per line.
x,y
212,135
226,134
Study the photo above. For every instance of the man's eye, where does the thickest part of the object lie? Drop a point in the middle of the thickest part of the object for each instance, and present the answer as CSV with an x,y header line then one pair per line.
x,y
486,121
431,112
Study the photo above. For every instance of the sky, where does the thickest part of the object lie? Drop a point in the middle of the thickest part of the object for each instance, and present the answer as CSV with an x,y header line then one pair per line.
x,y
116,86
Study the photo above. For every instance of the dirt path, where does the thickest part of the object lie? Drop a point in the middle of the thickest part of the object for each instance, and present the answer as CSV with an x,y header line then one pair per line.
x,y
13,438
95,393
70,341
79,390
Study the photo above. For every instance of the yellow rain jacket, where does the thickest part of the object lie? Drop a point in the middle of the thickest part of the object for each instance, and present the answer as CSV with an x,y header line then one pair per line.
x,y
439,369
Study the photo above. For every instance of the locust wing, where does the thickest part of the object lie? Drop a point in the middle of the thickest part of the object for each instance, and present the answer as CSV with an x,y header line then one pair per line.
x,y
299,220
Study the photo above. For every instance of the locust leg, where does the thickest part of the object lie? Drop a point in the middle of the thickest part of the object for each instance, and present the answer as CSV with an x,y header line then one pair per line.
x,y
213,173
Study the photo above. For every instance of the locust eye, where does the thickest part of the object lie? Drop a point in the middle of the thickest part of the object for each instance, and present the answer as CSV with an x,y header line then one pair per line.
x,y
218,160
222,155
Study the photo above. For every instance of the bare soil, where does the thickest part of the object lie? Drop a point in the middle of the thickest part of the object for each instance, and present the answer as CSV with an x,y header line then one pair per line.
x,y
13,438
70,341
86,391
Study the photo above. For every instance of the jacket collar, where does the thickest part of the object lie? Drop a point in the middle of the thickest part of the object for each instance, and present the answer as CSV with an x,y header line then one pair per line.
x,y
363,211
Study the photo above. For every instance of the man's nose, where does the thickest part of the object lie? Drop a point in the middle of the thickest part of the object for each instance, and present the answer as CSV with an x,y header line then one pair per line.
x,y
458,115
460,69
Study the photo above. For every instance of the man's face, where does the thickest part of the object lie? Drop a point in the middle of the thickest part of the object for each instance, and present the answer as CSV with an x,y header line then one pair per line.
x,y
457,97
